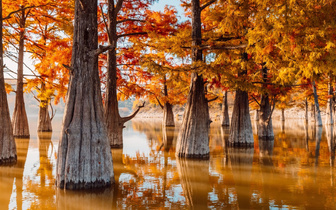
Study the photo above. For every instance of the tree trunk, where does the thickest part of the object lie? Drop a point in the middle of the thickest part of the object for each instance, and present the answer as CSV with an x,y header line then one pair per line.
x,y
226,119
44,121
283,115
241,129
306,109
168,134
265,130
329,110
7,143
84,156
256,115
193,139
313,113
20,120
317,106
168,115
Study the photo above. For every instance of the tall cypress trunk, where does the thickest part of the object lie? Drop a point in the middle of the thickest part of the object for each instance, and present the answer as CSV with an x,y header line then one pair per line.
x,y
317,106
313,113
241,128
193,139
265,130
168,115
20,120
84,156
306,109
44,120
329,110
7,143
225,110
283,115
115,123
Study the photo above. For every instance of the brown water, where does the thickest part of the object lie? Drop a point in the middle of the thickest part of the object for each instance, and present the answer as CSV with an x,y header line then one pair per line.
x,y
296,171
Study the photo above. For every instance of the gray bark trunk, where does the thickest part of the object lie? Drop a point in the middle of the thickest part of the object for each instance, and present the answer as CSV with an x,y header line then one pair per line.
x,y
265,130
7,143
317,106
44,121
330,104
20,120
84,155
283,115
306,109
193,139
241,134
168,115
225,110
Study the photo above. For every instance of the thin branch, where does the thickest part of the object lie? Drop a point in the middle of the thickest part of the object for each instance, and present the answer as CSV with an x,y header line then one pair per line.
x,y
125,119
255,100
52,112
130,19
24,8
132,34
210,100
101,49
118,7
159,102
207,4
105,23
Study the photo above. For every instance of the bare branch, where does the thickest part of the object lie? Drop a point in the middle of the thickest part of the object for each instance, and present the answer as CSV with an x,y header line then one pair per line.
x,y
105,23
207,4
118,7
211,100
132,34
101,49
24,8
125,119
130,19
159,102
52,112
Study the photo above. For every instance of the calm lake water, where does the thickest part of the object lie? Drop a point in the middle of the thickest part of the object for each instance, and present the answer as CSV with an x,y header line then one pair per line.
x,y
295,171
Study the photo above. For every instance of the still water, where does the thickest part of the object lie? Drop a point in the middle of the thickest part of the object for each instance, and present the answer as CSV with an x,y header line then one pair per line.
x,y
296,171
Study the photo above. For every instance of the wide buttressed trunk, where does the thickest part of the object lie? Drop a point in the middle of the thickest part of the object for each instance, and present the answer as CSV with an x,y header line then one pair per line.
x,y
241,134
44,121
84,155
225,110
20,120
193,139
7,143
265,130
168,115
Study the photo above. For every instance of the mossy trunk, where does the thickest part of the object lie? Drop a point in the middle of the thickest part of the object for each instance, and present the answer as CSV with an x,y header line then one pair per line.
x,y
225,111
84,156
44,121
7,142
168,115
20,120
317,106
193,139
241,134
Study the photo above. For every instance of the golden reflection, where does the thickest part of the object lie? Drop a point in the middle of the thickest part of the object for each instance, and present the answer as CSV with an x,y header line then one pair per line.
x,y
195,181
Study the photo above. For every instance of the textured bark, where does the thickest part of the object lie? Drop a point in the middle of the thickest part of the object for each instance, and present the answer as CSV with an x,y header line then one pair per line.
x,y
115,123
195,181
330,104
84,156
193,139
225,110
7,143
168,115
20,120
317,106
241,129
265,130
44,121
256,115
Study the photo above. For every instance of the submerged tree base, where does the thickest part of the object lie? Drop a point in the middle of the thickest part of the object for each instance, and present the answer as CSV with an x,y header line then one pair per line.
x,y
84,185
194,156
8,161
241,144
